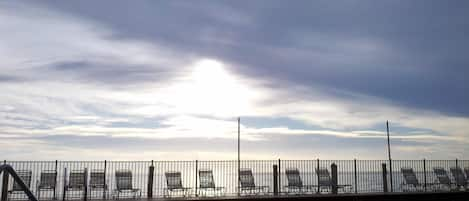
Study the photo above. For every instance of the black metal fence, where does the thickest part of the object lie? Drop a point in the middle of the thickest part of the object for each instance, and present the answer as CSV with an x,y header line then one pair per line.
x,y
69,180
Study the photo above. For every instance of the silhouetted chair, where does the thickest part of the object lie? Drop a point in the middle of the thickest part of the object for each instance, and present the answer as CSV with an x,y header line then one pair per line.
x,y
466,170
98,182
124,184
174,185
76,181
459,177
442,178
295,184
410,180
207,184
248,186
325,183
25,175
48,182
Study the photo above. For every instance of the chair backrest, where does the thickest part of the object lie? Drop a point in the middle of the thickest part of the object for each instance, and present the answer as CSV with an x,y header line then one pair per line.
x,y
48,179
246,179
25,175
206,179
124,180
76,179
442,175
173,180
409,176
324,178
466,170
458,176
97,179
293,177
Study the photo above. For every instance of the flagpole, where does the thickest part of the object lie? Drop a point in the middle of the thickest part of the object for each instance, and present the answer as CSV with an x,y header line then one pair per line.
x,y
389,155
239,156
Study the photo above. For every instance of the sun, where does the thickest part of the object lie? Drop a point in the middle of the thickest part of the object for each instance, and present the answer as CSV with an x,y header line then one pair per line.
x,y
211,89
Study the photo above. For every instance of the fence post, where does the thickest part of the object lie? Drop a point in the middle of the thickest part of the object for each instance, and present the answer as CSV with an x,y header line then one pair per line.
x,y
390,175
385,178
56,174
317,169
104,178
355,175
275,179
151,171
85,193
334,178
279,177
64,194
5,186
424,175
196,173
456,179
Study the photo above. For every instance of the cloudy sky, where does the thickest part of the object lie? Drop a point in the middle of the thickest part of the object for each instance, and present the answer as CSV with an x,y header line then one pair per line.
x,y
142,80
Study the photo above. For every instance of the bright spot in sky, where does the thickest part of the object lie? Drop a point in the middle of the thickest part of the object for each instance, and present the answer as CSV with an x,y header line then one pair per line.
x,y
211,89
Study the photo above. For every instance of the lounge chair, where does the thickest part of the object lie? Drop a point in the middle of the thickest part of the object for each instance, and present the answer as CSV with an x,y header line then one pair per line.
x,y
98,182
76,182
466,170
442,177
48,181
459,177
247,185
25,175
410,179
207,184
124,184
325,182
295,184
174,185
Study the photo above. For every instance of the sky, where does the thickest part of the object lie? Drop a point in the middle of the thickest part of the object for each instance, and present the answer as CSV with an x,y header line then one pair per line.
x,y
167,80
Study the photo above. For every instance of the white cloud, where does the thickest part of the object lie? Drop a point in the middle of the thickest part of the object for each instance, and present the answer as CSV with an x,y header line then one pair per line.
x,y
201,100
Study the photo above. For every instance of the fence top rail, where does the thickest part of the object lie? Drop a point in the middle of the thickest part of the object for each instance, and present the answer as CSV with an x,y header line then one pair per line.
x,y
205,161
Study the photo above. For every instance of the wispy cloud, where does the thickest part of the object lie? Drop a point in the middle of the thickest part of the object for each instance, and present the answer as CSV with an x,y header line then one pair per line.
x,y
75,77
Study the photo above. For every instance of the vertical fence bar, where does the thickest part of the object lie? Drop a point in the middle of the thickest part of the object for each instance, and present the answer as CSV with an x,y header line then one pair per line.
x,y
196,172
317,169
355,175
275,179
334,178
4,191
106,186
456,178
385,178
425,174
5,186
150,180
279,177
390,175
56,173
85,191
64,194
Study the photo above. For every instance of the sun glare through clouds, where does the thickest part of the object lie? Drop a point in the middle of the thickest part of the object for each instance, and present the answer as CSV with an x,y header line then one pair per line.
x,y
210,89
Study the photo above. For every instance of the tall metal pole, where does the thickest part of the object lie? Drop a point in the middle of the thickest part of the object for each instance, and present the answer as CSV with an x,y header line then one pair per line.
x,y
389,155
239,156
239,140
